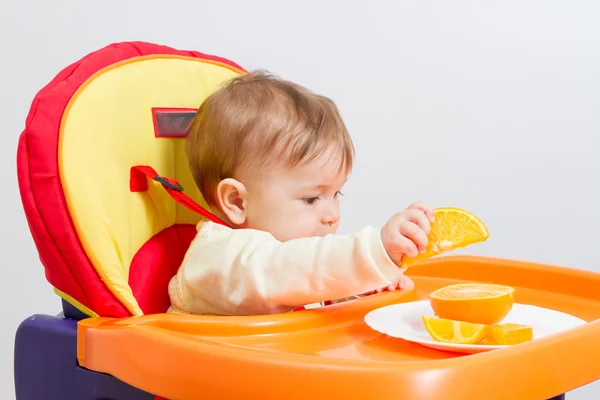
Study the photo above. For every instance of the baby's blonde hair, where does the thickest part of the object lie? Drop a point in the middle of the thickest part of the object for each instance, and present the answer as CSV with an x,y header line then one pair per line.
x,y
256,121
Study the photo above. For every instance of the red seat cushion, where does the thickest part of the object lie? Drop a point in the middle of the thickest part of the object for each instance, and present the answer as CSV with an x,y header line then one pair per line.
x,y
155,263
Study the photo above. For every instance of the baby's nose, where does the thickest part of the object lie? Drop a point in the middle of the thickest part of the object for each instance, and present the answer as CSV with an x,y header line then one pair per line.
x,y
331,219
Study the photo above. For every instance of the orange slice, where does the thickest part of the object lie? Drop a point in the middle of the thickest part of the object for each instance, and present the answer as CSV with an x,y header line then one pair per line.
x,y
458,332
452,228
509,334
478,303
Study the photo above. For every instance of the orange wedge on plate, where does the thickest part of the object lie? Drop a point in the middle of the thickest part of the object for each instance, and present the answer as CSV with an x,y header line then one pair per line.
x,y
457,332
509,334
452,228
478,303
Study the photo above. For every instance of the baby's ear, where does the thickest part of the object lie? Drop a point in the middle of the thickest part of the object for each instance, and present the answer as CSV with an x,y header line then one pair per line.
x,y
231,196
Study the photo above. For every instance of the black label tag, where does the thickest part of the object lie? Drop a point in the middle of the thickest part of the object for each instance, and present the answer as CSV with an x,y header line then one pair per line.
x,y
172,122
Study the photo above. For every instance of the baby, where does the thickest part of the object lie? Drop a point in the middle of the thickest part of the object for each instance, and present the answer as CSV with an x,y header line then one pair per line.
x,y
271,158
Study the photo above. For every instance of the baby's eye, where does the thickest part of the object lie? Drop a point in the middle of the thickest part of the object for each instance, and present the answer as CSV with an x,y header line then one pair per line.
x,y
337,194
311,200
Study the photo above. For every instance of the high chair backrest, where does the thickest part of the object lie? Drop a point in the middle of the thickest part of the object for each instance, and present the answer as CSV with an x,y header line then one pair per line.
x,y
107,249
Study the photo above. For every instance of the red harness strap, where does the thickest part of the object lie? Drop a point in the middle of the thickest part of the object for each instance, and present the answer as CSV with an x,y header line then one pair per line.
x,y
138,183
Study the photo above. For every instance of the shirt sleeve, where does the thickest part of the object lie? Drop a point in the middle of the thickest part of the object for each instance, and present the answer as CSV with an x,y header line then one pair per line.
x,y
249,272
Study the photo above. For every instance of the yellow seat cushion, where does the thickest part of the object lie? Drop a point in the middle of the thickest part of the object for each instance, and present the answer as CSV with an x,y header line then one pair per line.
x,y
106,129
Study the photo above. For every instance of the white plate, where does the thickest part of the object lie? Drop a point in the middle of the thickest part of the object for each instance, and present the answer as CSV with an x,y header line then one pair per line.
x,y
404,321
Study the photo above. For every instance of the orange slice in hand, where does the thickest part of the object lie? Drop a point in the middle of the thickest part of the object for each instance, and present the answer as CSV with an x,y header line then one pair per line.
x,y
452,228
478,303
509,334
457,332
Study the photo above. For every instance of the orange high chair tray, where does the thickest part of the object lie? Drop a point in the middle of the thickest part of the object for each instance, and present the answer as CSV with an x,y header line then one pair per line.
x,y
102,142
331,353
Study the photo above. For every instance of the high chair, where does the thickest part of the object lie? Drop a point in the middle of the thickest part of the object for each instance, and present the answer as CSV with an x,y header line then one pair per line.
x,y
112,208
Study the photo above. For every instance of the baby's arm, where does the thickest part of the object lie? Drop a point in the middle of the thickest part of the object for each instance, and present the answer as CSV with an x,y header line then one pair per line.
x,y
249,272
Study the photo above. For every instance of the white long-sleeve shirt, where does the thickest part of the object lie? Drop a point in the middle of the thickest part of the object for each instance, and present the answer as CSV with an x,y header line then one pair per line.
x,y
248,272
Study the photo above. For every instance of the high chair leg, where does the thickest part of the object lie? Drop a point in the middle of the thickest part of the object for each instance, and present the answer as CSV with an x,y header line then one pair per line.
x,y
45,365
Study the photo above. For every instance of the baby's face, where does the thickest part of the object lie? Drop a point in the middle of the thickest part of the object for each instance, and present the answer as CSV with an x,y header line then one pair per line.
x,y
297,202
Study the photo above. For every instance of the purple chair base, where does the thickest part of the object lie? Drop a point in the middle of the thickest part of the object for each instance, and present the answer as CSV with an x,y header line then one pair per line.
x,y
46,365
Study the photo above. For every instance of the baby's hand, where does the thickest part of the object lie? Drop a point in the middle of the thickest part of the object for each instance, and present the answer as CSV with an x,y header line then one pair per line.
x,y
405,234
399,284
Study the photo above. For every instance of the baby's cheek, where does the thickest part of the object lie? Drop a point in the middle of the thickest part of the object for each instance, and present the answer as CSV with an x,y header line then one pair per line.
x,y
304,228
301,226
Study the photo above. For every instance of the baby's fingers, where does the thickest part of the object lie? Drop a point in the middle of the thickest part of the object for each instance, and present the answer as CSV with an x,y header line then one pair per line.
x,y
419,218
405,246
404,282
427,210
416,234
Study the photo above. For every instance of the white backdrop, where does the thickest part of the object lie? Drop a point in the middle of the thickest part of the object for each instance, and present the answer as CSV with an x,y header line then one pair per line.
x,y
493,108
